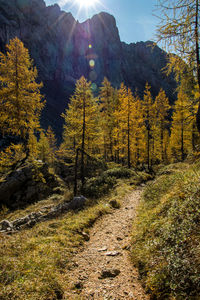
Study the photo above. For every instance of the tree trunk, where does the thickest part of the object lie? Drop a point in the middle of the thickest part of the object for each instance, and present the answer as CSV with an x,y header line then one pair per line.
x,y
148,149
83,146
75,172
197,59
129,154
182,143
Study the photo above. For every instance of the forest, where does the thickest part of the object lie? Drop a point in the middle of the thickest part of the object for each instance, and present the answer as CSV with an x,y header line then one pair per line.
x,y
110,209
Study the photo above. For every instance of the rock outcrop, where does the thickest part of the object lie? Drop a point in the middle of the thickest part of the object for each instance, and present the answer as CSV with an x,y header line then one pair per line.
x,y
62,50
35,217
27,185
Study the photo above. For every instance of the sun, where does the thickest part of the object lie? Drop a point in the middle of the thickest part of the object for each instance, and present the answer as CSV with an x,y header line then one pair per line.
x,y
87,3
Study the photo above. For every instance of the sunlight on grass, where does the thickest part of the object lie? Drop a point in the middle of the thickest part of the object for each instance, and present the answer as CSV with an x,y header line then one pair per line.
x,y
166,234
34,262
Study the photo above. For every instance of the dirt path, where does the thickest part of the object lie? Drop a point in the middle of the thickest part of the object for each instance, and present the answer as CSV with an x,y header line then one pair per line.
x,y
103,269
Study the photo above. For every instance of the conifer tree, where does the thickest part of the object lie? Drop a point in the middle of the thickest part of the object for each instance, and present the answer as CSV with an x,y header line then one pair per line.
x,y
179,29
120,130
33,146
138,143
161,107
149,120
181,131
107,108
81,126
20,95
52,144
43,147
20,98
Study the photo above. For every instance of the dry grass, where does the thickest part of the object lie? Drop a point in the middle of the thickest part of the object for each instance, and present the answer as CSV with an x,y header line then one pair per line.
x,y
34,262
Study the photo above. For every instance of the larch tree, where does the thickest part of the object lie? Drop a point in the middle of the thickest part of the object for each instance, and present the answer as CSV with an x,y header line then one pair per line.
x,y
81,127
149,120
43,147
107,108
20,93
121,119
52,144
179,29
181,131
20,98
138,144
161,107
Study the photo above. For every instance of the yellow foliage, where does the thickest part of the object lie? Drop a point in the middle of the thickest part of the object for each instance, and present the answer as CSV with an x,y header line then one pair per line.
x,y
20,98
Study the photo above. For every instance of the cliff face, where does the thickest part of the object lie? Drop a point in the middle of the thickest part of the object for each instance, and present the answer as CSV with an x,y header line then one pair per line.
x,y
63,50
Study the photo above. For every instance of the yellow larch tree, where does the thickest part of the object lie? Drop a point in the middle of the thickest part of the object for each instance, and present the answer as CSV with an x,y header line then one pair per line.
x,y
149,120
161,125
52,144
138,142
121,119
181,130
20,98
107,108
81,128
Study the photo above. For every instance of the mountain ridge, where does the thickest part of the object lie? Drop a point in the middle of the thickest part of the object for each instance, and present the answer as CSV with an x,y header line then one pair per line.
x,y
62,49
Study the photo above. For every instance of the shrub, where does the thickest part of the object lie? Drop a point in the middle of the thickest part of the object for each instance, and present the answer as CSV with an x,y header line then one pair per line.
x,y
98,186
120,172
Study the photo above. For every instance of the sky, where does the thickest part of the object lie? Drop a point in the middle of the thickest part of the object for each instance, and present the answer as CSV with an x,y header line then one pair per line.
x,y
135,19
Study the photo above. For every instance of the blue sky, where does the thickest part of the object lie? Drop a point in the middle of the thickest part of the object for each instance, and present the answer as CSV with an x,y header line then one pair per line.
x,y
134,18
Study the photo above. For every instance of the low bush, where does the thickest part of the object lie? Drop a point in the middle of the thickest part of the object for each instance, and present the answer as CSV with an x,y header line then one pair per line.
x,y
98,186
120,172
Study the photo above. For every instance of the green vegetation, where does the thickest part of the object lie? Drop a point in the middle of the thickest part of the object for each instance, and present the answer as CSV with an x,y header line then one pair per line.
x,y
166,235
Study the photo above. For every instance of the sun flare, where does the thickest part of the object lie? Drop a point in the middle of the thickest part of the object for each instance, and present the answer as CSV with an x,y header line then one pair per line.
x,y
87,3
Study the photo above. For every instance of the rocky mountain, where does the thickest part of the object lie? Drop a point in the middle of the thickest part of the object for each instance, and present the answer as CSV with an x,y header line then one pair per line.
x,y
64,49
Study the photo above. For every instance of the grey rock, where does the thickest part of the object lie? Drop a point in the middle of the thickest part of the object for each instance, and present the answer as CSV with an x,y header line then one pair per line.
x,y
77,203
20,187
21,221
6,225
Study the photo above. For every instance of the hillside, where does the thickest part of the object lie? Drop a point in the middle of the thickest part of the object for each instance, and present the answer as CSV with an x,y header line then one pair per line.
x,y
59,46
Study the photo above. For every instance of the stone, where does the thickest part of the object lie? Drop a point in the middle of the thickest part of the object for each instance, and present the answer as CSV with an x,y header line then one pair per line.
x,y
21,188
102,249
109,273
6,225
21,221
114,203
85,236
77,203
112,253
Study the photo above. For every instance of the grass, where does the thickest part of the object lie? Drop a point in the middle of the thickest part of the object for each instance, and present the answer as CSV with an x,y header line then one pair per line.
x,y
34,263
166,235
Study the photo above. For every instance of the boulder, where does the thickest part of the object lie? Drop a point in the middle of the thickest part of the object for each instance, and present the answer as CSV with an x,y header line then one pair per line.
x,y
24,186
77,203
5,225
